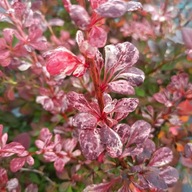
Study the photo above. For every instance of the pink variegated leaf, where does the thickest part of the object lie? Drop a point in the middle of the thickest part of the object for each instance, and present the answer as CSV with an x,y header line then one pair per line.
x,y
67,4
120,116
139,132
120,56
187,33
11,149
123,131
132,151
4,54
45,134
133,75
3,176
161,157
61,61
59,165
112,141
161,97
85,121
3,44
80,16
13,185
155,181
79,37
110,106
148,149
133,6
97,37
125,105
170,175
16,164
90,143
69,144
8,35
101,187
112,8
122,87
50,156
188,150
30,160
78,101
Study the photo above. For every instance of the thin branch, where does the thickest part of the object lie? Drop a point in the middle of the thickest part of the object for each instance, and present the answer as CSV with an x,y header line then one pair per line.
x,y
40,173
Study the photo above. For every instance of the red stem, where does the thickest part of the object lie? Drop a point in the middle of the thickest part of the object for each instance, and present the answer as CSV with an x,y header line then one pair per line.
x,y
97,85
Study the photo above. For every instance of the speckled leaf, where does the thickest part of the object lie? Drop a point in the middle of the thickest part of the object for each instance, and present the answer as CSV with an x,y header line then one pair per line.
x,y
122,87
170,175
85,121
112,141
97,37
139,133
125,105
16,164
90,143
80,16
101,187
161,157
155,181
188,150
133,75
78,101
120,56
112,9
123,131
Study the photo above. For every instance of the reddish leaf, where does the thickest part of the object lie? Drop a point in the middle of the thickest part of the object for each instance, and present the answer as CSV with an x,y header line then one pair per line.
x,y
185,108
80,16
16,164
78,101
97,37
11,149
120,56
112,141
3,176
123,131
90,143
122,87
148,149
102,187
59,165
126,105
85,121
139,132
133,75
112,8
61,61
170,175
23,139
188,150
155,181
161,157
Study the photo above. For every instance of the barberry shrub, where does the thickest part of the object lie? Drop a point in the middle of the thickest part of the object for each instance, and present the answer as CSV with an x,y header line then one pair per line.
x,y
95,95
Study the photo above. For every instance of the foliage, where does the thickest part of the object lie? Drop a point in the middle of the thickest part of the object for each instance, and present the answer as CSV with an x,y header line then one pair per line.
x,y
95,95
